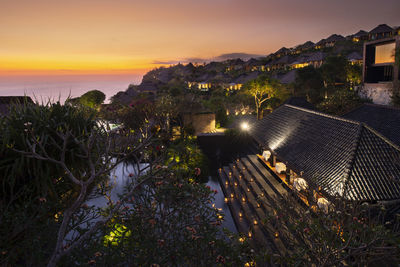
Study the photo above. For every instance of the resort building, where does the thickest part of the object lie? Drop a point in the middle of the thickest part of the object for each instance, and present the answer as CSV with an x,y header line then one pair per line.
x,y
355,58
379,32
380,72
359,36
202,86
315,158
330,41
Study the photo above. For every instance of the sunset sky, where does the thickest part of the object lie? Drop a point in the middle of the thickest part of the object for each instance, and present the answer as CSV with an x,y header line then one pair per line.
x,y
128,37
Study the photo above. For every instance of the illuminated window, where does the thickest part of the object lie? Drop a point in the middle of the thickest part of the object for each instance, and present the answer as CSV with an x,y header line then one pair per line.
x,y
384,53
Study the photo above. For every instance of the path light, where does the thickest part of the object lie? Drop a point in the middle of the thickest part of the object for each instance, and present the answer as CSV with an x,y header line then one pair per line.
x,y
245,126
258,205
241,239
226,200
276,234
255,222
243,199
240,214
235,184
226,183
251,180
232,195
248,189
250,234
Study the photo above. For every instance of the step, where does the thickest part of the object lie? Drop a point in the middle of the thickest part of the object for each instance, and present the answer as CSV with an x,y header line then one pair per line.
x,y
253,159
233,204
246,210
259,214
260,178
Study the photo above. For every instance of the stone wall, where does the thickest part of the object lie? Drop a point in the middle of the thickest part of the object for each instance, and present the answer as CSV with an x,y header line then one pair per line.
x,y
201,122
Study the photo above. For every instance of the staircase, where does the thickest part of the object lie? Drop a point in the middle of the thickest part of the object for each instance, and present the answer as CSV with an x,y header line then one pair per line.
x,y
250,190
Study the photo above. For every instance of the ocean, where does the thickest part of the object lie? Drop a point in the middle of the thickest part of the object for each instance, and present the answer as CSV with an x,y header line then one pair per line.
x,y
54,88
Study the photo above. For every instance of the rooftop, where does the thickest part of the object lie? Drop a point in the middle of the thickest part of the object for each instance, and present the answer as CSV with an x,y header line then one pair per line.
x,y
342,156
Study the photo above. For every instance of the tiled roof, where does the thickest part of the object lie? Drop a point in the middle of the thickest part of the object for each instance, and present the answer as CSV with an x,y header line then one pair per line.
x,y
334,38
360,33
354,56
289,77
343,157
381,28
299,101
384,119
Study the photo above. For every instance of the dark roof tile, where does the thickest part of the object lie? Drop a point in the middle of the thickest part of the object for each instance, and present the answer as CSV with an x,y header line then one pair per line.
x,y
342,156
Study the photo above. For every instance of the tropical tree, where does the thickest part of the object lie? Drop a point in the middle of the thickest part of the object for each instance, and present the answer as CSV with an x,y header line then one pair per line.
x,y
341,101
91,99
354,75
334,71
263,89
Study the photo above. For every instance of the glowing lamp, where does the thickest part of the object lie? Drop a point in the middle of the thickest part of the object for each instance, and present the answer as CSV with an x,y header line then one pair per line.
x,y
226,200
245,126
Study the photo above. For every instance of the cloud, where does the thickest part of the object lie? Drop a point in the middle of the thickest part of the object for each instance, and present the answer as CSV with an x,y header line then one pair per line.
x,y
223,57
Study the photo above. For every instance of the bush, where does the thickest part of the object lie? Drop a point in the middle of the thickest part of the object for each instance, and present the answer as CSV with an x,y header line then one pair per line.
x,y
33,190
341,101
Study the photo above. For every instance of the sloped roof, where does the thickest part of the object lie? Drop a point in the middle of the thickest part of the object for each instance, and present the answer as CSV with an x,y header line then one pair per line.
x,y
316,56
288,77
384,119
360,33
381,28
306,45
343,157
299,101
282,50
354,56
246,77
332,38
283,60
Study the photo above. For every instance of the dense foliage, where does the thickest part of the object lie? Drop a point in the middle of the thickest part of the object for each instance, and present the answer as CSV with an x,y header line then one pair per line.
x,y
33,190
341,101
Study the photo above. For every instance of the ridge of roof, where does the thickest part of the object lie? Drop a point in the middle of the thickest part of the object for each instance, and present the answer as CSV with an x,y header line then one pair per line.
x,y
353,154
384,138
323,114
382,106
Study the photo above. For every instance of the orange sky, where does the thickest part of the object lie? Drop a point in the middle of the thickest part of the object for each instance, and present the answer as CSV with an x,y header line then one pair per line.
x,y
42,37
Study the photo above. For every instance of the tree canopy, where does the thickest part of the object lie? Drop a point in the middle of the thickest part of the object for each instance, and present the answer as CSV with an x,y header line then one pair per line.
x,y
264,89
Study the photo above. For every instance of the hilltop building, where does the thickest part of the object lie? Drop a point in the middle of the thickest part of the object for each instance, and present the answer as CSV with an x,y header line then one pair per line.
x,y
379,32
380,72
